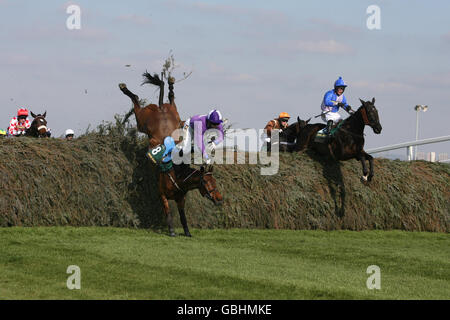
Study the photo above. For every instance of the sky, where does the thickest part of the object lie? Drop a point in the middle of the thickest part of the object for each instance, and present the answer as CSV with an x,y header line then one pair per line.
x,y
250,59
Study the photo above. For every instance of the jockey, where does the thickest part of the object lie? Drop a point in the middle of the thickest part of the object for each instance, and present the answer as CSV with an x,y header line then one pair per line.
x,y
196,127
69,134
19,124
279,123
332,101
169,143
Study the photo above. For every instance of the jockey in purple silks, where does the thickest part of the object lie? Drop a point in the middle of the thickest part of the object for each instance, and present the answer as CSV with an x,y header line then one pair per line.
x,y
196,127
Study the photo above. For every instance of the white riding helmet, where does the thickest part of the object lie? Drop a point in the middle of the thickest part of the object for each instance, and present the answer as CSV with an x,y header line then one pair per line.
x,y
69,132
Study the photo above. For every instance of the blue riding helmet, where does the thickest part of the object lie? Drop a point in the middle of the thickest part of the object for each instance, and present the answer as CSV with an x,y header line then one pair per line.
x,y
340,83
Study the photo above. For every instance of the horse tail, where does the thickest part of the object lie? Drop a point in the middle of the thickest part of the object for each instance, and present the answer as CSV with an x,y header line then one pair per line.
x,y
156,81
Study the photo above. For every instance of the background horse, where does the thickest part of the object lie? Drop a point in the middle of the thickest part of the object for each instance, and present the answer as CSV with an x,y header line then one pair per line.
x,y
175,184
348,141
159,122
290,134
38,128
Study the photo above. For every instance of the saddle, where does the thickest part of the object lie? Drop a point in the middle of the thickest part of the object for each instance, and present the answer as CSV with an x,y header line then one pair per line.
x,y
322,137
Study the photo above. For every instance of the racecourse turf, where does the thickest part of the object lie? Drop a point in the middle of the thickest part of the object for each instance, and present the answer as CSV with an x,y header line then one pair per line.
x,y
222,264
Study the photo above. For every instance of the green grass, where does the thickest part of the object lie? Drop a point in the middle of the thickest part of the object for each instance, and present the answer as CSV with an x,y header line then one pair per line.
x,y
222,264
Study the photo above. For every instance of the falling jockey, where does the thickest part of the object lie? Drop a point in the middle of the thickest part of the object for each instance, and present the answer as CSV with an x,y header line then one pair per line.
x,y
332,101
195,129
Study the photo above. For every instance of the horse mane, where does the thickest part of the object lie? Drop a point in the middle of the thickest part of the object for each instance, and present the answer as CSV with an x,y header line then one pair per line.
x,y
182,171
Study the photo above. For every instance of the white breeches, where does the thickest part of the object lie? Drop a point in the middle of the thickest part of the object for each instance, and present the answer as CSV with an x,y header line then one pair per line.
x,y
335,116
188,134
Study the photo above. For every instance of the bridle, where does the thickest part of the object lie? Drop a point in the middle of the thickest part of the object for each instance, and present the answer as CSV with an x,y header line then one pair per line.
x,y
202,183
208,192
364,116
39,127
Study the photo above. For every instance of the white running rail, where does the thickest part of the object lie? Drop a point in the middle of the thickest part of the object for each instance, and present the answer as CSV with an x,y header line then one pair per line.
x,y
409,145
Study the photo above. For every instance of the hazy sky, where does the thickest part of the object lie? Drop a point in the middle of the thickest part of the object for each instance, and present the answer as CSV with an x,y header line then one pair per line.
x,y
250,59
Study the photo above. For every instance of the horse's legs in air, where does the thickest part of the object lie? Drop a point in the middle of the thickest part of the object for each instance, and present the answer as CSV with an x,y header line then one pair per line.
x,y
362,158
180,205
370,158
166,209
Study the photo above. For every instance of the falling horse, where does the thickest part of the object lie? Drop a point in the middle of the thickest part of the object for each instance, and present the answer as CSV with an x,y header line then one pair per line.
x,y
175,184
159,122
38,128
347,139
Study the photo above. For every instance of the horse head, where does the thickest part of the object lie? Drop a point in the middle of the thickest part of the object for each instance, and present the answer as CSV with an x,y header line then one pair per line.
x,y
302,123
208,186
39,125
370,115
292,131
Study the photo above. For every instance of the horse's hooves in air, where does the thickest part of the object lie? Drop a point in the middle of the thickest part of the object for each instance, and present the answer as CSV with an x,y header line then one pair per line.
x,y
122,86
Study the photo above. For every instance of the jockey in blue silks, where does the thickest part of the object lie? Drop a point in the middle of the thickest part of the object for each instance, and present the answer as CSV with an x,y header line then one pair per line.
x,y
332,101
169,143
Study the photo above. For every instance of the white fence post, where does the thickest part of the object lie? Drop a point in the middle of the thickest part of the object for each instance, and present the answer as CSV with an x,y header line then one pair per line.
x,y
409,153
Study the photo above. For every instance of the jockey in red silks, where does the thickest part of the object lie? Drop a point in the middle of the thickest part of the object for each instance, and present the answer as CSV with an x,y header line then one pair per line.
x,y
19,124
197,126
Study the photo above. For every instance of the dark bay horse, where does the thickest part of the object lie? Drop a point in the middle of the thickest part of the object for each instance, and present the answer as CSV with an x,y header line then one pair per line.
x,y
159,122
290,134
38,128
175,184
348,141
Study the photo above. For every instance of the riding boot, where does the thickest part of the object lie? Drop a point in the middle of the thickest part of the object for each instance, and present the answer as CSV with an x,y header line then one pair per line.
x,y
328,128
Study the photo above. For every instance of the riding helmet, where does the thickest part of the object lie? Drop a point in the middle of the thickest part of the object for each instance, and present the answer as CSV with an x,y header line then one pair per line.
x,y
215,117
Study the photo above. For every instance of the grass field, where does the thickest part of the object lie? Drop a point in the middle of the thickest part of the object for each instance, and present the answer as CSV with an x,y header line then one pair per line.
x,y
222,264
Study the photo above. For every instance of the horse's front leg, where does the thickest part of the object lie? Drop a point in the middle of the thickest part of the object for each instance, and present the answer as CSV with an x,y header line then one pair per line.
x,y
365,176
180,204
371,171
166,209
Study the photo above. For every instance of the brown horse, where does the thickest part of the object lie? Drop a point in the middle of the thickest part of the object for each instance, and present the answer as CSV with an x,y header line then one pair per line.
x,y
348,140
175,184
38,128
159,122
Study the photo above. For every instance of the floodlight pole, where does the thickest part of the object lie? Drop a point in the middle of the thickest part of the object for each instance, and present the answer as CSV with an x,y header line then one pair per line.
x,y
417,132
418,108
